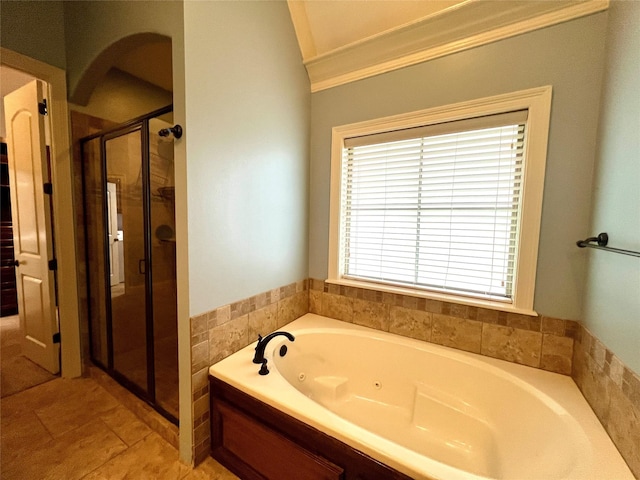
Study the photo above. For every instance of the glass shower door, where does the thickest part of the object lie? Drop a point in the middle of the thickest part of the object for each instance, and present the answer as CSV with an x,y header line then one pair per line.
x,y
129,213
163,255
127,255
94,245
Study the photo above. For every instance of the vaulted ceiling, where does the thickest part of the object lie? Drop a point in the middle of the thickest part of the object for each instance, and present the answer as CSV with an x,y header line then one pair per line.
x,y
346,40
325,26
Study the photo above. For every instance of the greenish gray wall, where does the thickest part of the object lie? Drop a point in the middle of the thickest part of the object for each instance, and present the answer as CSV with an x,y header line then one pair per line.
x,y
34,29
570,58
247,103
119,97
93,25
612,299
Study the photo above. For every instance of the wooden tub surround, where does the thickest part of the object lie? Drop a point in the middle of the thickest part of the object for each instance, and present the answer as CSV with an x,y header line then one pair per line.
x,y
257,442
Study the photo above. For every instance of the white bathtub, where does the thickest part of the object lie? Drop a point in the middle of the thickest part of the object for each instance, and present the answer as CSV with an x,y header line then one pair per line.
x,y
428,411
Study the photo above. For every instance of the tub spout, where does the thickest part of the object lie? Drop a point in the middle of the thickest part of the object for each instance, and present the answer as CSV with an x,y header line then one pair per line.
x,y
262,344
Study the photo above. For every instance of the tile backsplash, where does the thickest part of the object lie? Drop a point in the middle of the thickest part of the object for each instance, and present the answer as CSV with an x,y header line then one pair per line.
x,y
225,330
541,342
557,345
613,391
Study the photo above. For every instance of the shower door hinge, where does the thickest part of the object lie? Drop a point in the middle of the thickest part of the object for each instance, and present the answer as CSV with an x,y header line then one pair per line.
x,y
48,188
43,108
56,337
53,264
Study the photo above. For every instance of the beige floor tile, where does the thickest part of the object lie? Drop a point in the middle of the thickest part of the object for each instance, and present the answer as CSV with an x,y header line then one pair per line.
x,y
77,409
126,425
70,456
74,429
209,469
39,396
152,459
18,372
146,413
21,435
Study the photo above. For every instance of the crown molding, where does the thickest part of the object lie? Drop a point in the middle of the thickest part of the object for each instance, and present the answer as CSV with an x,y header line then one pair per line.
x,y
464,26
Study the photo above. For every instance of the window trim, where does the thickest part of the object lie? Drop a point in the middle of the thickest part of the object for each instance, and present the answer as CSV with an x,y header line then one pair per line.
x,y
538,102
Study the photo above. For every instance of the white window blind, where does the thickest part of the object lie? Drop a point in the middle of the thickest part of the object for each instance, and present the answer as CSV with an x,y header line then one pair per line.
x,y
435,207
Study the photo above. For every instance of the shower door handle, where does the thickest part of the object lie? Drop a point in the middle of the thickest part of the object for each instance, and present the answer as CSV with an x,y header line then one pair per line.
x,y
142,266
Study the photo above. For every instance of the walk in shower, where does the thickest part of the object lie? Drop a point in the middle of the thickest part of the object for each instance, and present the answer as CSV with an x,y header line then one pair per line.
x,y
128,189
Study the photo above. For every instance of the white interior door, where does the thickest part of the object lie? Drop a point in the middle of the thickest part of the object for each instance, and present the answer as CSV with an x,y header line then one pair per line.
x,y
32,235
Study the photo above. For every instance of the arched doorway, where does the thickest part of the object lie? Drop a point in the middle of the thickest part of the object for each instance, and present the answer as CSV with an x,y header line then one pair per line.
x,y
124,182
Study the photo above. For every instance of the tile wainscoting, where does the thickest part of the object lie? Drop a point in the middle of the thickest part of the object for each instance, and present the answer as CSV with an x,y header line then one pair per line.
x,y
540,342
613,391
560,346
225,330
556,345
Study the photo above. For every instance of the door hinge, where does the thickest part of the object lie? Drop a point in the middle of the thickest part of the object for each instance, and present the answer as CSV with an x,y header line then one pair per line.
x,y
56,337
43,108
53,264
48,188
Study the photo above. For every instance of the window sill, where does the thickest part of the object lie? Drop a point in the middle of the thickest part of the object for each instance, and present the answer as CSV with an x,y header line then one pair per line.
x,y
443,297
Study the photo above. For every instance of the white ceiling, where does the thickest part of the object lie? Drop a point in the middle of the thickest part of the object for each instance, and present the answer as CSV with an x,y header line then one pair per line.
x,y
325,26
347,40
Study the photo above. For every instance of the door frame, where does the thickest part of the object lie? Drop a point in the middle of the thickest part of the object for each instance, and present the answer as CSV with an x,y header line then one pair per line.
x,y
64,223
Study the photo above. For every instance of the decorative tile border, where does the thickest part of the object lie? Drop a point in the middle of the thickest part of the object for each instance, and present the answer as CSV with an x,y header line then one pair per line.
x,y
613,391
541,342
227,329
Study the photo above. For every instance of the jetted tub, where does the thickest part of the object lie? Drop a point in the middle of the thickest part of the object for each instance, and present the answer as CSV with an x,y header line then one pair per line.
x,y
428,411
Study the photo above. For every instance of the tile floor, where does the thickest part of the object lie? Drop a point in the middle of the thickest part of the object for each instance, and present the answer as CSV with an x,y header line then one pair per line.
x,y
74,429
17,372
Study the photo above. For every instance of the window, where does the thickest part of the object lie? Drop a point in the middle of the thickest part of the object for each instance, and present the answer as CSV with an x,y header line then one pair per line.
x,y
443,203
